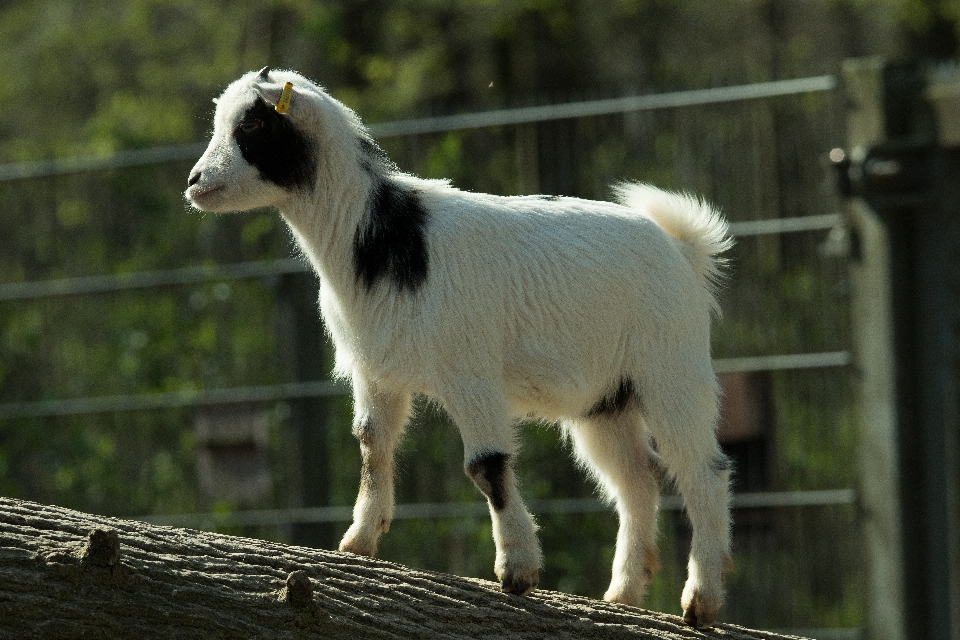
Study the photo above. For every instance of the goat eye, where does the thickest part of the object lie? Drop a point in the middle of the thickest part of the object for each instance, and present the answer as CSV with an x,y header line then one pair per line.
x,y
249,126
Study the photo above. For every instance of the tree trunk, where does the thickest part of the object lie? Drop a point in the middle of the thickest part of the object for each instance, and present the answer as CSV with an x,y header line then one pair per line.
x,y
65,574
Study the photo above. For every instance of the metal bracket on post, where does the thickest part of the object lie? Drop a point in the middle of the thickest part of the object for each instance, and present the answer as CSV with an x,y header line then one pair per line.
x,y
888,175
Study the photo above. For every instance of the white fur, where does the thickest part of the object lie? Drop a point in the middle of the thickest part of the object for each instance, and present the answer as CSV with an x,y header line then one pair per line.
x,y
531,307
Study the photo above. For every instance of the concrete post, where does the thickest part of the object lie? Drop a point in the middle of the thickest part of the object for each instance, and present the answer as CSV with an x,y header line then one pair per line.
x,y
906,281
873,356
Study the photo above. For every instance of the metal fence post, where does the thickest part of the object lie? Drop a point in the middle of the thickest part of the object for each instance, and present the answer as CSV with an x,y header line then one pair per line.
x,y
906,229
871,307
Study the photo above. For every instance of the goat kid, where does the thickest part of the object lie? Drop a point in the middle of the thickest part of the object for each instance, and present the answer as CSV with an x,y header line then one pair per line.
x,y
591,315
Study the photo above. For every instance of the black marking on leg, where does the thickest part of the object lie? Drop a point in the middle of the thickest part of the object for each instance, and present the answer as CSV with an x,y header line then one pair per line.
x,y
368,479
488,472
363,431
617,401
271,143
391,244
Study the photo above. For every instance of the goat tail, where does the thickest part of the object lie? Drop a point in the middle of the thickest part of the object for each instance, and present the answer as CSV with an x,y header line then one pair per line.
x,y
701,232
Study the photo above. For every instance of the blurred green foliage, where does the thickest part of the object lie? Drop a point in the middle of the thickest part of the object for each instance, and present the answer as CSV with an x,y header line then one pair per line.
x,y
111,75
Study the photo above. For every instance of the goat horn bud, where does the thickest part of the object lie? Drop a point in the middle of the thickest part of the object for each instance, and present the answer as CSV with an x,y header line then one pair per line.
x,y
283,104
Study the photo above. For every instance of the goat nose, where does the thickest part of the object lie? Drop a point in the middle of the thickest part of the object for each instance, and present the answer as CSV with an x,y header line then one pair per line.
x,y
194,179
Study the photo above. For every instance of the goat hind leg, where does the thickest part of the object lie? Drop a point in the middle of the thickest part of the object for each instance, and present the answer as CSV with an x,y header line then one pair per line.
x,y
707,501
702,474
617,450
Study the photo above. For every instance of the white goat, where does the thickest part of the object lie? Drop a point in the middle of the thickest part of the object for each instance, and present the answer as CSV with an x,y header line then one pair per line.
x,y
592,315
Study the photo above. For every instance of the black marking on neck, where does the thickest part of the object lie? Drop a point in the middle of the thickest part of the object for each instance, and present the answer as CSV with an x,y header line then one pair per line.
x,y
488,471
391,244
617,401
374,159
282,153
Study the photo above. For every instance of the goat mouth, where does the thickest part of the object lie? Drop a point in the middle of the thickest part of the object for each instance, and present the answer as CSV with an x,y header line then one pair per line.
x,y
196,194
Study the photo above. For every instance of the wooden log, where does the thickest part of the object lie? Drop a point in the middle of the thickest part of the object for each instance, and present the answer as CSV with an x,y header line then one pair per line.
x,y
65,574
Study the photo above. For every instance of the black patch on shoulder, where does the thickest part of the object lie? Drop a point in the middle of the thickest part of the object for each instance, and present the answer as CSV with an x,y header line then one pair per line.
x,y
392,244
281,153
617,401
487,472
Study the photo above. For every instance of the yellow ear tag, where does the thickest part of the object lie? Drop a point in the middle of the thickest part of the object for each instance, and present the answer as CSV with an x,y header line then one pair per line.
x,y
283,104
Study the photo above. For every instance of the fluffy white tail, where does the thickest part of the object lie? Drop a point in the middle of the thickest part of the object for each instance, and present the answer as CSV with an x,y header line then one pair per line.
x,y
700,230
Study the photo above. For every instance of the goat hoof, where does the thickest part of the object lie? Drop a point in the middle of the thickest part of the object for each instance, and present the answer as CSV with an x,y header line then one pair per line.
x,y
698,617
358,546
518,586
622,595
690,618
357,550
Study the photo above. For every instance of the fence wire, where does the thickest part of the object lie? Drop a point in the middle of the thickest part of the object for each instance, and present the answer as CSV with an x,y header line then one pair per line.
x,y
783,343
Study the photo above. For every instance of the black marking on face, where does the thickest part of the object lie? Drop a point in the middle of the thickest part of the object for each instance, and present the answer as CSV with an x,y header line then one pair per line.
x,y
488,472
281,152
391,244
617,401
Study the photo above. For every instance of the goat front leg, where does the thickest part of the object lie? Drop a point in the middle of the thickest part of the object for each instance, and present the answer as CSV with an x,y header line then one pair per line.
x,y
518,559
479,411
379,419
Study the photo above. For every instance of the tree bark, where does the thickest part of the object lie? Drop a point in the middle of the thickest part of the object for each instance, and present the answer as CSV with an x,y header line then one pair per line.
x,y
65,574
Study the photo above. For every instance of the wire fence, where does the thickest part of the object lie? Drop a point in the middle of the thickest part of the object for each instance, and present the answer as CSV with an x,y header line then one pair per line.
x,y
782,348
435,510
502,117
113,283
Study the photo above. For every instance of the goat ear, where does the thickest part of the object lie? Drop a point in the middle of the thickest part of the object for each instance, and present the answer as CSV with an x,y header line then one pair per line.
x,y
286,98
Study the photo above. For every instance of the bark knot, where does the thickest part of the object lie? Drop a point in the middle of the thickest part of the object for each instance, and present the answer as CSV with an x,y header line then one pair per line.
x,y
299,592
102,548
298,595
